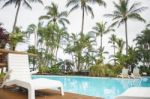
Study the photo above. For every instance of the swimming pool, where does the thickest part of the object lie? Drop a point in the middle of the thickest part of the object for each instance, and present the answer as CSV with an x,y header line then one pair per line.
x,y
107,88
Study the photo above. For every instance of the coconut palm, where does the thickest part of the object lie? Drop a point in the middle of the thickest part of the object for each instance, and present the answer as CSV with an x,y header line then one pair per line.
x,y
119,56
143,46
18,4
32,30
101,52
101,29
61,36
120,45
55,16
112,40
85,7
123,11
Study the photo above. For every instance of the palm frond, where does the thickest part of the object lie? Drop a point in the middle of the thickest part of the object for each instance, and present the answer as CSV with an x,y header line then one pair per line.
x,y
26,3
134,6
8,3
109,15
71,2
65,20
101,2
64,13
40,1
74,8
91,11
44,17
114,23
139,10
136,16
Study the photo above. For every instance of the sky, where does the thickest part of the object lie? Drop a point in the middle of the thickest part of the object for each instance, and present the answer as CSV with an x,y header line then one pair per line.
x,y
27,17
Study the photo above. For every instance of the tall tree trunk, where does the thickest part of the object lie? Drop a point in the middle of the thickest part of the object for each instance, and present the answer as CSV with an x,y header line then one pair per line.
x,y
101,46
57,47
35,40
16,17
126,33
82,27
114,53
79,59
101,38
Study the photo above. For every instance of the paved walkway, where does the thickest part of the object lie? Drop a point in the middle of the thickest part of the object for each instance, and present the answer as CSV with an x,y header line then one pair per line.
x,y
10,93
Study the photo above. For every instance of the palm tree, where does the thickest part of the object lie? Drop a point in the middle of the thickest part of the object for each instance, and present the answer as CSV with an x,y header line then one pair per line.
x,y
100,29
32,30
123,12
119,57
18,4
53,15
61,35
100,54
112,40
85,7
120,45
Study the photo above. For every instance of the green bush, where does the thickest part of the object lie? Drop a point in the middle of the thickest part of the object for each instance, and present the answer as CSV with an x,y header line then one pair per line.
x,y
55,70
104,70
52,70
117,69
98,70
2,75
145,69
43,69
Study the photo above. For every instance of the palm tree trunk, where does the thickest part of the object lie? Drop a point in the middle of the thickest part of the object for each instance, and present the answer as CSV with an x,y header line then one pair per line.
x,y
16,17
79,59
126,33
82,28
101,37
56,52
35,40
114,53
101,41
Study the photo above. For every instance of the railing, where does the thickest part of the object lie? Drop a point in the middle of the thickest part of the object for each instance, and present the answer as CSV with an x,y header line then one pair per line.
x,y
3,59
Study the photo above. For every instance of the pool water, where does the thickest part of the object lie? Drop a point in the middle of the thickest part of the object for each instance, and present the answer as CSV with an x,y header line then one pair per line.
x,y
107,88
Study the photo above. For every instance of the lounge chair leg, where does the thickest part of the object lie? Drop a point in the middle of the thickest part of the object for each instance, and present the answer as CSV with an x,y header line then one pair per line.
x,y
31,93
61,90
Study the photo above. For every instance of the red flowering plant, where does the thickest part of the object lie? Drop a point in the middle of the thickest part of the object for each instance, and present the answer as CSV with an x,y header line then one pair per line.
x,y
3,37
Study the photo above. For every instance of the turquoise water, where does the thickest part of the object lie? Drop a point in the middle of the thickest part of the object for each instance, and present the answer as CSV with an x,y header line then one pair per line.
x,y
107,88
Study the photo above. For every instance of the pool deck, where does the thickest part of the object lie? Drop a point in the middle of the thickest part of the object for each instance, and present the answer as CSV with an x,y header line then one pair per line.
x,y
10,93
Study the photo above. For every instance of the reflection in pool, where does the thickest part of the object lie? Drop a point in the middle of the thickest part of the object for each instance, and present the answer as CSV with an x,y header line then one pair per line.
x,y
107,88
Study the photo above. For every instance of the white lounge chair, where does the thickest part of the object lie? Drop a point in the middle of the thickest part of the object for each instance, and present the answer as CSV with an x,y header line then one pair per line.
x,y
19,74
135,93
124,73
136,73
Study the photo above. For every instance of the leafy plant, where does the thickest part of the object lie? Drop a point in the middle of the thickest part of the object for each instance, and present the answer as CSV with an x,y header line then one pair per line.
x,y
2,75
55,69
43,69
145,69
105,70
3,37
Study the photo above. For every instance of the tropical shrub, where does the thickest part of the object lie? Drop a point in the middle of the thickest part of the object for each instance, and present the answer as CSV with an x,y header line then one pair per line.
x,y
117,69
98,70
104,70
55,69
44,69
145,69
3,37
2,75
